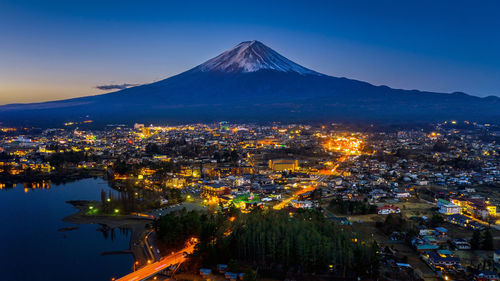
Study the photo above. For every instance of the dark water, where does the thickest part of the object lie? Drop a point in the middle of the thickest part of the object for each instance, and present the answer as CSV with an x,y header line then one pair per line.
x,y
32,248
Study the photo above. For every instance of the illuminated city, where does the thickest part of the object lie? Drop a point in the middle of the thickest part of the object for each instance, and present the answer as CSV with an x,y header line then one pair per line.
x,y
233,170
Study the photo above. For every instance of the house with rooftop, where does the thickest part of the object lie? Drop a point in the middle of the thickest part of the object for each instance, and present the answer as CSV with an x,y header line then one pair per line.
x,y
447,208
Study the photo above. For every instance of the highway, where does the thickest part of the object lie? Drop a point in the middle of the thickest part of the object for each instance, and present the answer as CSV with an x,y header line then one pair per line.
x,y
156,267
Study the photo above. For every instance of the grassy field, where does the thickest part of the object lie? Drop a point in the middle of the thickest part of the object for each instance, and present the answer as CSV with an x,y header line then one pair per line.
x,y
410,209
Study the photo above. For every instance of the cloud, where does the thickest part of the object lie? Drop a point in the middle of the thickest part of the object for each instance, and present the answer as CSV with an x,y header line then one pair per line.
x,y
115,86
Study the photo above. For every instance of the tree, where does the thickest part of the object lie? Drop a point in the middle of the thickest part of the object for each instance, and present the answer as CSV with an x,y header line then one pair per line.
x,y
152,148
475,241
306,241
488,240
436,220
250,275
103,196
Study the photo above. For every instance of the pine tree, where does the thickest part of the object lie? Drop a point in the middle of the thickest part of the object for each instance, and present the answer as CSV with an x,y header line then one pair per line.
x,y
488,240
475,241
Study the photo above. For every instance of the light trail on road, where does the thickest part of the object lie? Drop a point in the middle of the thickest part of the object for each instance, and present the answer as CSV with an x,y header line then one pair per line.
x,y
154,268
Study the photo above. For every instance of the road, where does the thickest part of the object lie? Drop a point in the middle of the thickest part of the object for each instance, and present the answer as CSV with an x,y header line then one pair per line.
x,y
156,267
285,202
152,248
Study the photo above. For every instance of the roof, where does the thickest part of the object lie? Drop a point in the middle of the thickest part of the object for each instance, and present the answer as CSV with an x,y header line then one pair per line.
x,y
430,238
427,247
445,252
437,257
441,229
388,207
220,265
486,273
445,202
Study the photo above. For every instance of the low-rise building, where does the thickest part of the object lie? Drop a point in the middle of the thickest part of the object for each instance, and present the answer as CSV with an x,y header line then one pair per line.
x,y
485,275
301,204
461,244
447,208
385,210
283,164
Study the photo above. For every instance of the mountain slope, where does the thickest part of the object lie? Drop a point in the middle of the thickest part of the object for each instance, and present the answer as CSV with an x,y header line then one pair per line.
x,y
252,82
251,56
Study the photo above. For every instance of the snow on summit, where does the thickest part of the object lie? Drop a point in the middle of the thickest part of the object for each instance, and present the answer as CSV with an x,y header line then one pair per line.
x,y
251,56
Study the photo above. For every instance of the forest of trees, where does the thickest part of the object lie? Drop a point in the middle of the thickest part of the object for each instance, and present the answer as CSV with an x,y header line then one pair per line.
x,y
342,207
272,240
398,223
482,240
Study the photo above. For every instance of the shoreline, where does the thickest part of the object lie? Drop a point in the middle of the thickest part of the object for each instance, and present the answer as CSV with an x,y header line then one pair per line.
x,y
142,244
137,226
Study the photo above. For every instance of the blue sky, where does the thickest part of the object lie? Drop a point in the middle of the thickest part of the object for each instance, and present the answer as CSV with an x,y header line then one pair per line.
x,y
60,49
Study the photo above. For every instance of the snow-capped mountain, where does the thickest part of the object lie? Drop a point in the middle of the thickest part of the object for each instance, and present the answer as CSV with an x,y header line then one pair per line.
x,y
252,82
251,56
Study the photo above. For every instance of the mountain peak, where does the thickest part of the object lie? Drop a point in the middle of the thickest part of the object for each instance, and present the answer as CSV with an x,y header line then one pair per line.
x,y
252,56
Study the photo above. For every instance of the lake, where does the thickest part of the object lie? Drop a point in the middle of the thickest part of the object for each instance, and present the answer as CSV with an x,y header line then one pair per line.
x,y
33,248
